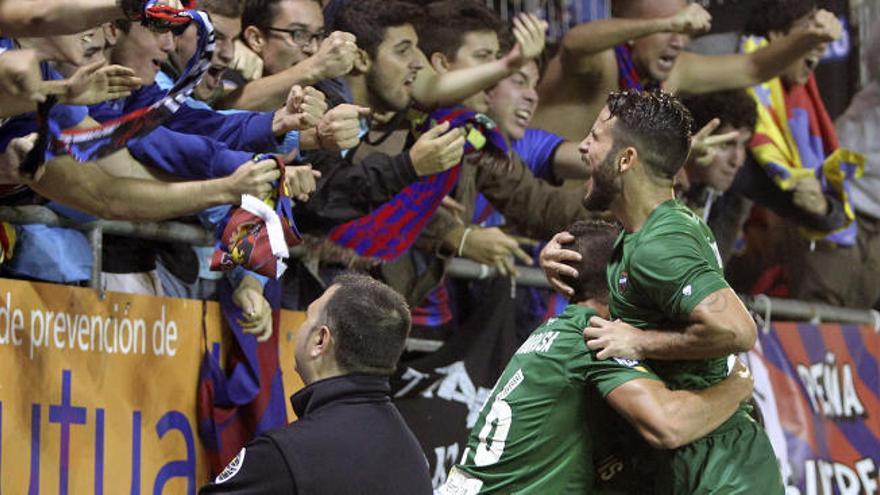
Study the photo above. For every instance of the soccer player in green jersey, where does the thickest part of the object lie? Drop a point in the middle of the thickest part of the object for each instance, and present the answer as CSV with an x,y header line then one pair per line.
x,y
670,303
542,423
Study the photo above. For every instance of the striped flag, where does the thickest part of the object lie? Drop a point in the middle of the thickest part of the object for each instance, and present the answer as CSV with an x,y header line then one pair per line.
x,y
795,138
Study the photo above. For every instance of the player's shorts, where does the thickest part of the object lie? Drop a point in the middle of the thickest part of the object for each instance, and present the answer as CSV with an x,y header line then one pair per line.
x,y
735,458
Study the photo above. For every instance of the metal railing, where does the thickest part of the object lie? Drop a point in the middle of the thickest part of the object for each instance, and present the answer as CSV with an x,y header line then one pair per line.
x,y
766,307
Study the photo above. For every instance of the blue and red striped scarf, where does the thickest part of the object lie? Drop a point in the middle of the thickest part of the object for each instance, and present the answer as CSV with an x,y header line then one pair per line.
x,y
391,230
629,77
247,398
111,136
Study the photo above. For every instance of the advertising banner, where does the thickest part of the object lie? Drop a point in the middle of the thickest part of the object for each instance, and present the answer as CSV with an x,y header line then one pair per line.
x,y
97,396
819,392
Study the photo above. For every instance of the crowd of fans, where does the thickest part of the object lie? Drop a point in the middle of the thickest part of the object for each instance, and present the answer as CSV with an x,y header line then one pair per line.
x,y
406,133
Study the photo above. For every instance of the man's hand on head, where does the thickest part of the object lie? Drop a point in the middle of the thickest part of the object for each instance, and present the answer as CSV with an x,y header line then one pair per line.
x,y
613,339
552,260
691,20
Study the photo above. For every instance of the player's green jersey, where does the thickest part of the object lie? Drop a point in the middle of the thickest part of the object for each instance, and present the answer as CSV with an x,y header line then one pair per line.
x,y
531,436
658,274
656,277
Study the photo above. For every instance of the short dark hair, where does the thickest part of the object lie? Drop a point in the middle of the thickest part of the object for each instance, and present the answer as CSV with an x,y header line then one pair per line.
x,y
370,323
260,13
123,25
734,107
776,15
225,8
368,20
594,240
443,27
656,124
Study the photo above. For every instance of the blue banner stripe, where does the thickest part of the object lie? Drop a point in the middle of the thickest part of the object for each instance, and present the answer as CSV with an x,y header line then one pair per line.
x,y
866,363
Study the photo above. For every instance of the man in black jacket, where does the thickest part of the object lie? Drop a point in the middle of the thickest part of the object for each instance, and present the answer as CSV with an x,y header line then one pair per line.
x,y
349,437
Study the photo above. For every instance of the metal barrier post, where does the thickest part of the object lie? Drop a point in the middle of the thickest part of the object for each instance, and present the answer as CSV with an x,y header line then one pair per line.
x,y
95,233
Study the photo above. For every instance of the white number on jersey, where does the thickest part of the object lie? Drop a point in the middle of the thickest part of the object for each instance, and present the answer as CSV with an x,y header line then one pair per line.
x,y
491,444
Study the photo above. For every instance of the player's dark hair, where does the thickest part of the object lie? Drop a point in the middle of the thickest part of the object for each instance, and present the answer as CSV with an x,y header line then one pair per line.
x,y
368,20
370,323
656,124
594,240
443,27
735,108
776,15
261,13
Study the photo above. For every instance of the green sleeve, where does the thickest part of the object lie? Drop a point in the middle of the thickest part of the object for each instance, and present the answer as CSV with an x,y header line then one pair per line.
x,y
676,271
607,374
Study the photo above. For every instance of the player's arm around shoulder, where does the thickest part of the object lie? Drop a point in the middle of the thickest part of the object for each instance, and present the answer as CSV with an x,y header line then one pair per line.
x,y
719,325
668,419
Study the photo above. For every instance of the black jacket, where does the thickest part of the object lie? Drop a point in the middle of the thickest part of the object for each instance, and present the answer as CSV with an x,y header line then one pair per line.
x,y
349,439
349,190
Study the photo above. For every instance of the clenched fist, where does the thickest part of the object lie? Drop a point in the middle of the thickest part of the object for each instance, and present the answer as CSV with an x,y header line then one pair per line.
x,y
301,181
691,20
20,75
340,127
825,26
254,178
335,56
303,110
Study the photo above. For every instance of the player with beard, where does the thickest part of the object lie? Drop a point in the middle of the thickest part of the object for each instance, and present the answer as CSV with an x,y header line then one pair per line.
x,y
546,418
669,302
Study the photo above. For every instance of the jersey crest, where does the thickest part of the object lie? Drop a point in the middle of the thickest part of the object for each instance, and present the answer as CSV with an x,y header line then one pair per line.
x,y
622,281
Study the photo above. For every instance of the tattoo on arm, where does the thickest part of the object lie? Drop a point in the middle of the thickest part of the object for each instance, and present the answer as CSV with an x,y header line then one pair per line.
x,y
716,302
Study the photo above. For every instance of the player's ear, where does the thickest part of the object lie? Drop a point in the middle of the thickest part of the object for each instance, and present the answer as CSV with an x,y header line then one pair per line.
x,y
627,159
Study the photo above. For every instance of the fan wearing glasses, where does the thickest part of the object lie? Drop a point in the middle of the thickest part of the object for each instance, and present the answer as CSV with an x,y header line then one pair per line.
x,y
288,36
